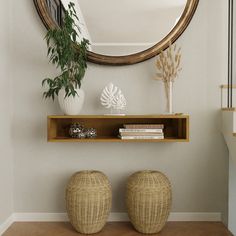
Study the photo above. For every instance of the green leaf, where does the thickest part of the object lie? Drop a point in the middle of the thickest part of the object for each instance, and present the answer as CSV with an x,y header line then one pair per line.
x,y
63,53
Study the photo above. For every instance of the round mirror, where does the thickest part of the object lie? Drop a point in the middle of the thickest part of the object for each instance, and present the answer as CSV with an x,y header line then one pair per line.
x,y
126,31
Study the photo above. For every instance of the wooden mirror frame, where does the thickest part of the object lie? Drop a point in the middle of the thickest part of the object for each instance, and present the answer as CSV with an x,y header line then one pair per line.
x,y
175,33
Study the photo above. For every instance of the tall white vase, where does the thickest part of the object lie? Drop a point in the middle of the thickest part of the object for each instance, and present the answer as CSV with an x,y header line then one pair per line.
x,y
169,97
71,105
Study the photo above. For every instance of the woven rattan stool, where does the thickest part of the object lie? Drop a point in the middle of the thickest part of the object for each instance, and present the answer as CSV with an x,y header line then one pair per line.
x,y
88,201
148,200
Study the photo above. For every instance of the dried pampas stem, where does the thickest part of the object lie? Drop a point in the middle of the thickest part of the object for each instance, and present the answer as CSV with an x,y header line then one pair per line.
x,y
168,64
168,68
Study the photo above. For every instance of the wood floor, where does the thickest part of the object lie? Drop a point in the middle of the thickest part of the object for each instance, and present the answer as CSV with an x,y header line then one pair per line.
x,y
118,229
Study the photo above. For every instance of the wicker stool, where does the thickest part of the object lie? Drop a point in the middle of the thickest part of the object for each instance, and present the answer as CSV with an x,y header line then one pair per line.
x,y
88,201
148,200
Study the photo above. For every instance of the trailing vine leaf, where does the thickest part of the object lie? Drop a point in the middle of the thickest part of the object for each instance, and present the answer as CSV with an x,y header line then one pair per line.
x,y
63,53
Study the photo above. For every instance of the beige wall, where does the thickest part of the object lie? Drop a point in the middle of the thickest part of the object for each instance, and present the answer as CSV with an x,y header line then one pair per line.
x,y
6,161
197,170
232,195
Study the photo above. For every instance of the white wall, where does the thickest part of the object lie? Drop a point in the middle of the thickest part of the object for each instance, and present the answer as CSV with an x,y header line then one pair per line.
x,y
197,170
232,195
217,62
6,157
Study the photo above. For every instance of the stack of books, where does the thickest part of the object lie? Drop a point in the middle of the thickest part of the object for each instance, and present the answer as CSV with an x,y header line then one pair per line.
x,y
142,131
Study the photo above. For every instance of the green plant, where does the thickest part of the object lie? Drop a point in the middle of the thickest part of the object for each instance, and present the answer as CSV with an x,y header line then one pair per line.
x,y
63,52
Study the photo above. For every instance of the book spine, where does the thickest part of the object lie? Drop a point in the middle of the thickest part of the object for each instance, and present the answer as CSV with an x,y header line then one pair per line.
x,y
142,137
141,133
140,130
143,126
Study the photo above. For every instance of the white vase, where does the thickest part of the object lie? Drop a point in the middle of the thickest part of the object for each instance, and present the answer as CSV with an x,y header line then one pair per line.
x,y
169,97
71,105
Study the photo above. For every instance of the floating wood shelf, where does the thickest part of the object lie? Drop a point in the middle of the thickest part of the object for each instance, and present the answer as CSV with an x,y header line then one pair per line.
x,y
176,127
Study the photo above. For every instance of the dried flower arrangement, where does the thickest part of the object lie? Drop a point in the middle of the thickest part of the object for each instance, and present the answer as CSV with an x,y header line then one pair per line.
x,y
168,68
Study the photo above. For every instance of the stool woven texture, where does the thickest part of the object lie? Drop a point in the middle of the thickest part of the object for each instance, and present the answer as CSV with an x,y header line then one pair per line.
x,y
148,201
88,201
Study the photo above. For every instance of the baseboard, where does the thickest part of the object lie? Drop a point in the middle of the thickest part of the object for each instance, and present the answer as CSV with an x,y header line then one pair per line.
x,y
119,216
6,224
115,216
60,217
195,216
37,217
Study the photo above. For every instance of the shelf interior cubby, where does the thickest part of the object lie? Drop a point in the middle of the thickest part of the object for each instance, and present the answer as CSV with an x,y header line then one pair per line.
x,y
176,127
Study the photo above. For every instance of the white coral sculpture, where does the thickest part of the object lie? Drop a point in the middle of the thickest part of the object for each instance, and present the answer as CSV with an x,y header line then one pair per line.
x,y
112,97
108,96
120,101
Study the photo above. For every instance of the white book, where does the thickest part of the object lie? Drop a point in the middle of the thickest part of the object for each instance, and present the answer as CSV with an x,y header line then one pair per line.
x,y
140,130
142,137
144,126
141,133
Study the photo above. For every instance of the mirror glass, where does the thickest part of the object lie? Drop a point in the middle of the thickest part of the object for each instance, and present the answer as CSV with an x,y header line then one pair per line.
x,y
123,32
126,26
